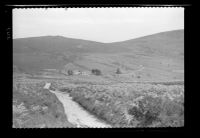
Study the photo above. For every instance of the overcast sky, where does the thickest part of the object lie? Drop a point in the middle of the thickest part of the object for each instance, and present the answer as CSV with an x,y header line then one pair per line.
x,y
97,24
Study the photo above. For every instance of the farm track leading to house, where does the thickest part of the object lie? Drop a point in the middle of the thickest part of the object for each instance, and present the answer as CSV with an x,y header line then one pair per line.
x,y
75,114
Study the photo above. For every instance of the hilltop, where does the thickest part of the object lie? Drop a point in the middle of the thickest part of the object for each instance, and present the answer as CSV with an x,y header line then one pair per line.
x,y
159,55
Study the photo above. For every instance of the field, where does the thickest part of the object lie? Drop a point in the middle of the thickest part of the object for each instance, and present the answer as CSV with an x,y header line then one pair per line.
x,y
35,107
118,103
132,105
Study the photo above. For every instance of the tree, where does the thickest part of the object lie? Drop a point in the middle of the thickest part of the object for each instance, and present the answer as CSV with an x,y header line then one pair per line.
x,y
96,72
118,71
70,72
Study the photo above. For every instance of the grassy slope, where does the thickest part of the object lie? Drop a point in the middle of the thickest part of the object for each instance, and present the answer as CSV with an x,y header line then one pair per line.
x,y
133,105
119,104
163,43
35,107
159,54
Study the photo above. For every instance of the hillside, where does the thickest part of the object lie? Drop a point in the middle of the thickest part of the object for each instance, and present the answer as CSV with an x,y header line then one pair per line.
x,y
170,43
155,56
60,44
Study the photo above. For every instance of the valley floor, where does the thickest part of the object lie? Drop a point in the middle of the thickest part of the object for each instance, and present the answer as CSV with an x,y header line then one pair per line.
x,y
78,102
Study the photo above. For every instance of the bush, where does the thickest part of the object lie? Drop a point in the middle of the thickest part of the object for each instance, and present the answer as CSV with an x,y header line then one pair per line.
x,y
138,114
118,71
147,111
70,72
96,72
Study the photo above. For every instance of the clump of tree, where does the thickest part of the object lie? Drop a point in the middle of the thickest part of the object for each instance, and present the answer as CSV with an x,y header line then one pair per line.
x,y
70,72
96,72
118,71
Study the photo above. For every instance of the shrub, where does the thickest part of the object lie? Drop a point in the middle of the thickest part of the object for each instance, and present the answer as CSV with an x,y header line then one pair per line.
x,y
138,114
147,111
70,72
118,71
96,72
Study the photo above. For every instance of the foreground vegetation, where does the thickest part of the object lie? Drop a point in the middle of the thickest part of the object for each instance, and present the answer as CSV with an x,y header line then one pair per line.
x,y
35,107
133,105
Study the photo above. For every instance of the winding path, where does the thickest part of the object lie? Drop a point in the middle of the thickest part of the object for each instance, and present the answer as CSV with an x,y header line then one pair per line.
x,y
75,114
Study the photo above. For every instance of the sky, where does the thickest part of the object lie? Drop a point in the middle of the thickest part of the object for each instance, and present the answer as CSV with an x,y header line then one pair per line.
x,y
96,24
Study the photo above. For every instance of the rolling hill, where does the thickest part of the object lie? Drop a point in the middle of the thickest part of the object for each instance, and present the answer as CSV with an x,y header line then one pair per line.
x,y
157,55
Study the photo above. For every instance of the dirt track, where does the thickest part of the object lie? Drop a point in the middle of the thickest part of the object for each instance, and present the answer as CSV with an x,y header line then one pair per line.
x,y
75,114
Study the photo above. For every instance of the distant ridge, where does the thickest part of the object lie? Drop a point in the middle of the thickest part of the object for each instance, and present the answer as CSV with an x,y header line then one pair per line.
x,y
176,33
60,36
46,52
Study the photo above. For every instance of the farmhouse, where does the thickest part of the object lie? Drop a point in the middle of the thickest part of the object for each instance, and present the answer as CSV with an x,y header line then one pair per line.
x,y
76,72
85,73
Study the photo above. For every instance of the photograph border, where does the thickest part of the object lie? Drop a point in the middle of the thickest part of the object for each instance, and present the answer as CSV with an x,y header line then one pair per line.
x,y
6,12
